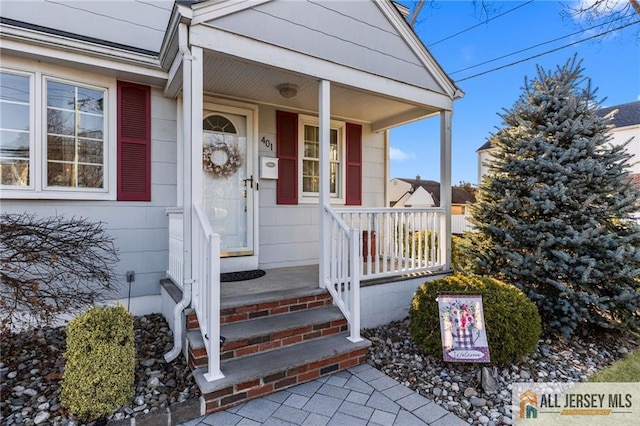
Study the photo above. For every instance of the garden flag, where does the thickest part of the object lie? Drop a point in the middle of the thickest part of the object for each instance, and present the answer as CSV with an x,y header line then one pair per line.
x,y
464,338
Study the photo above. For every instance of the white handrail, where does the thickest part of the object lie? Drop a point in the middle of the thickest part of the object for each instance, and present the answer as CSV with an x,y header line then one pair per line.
x,y
206,288
396,241
342,268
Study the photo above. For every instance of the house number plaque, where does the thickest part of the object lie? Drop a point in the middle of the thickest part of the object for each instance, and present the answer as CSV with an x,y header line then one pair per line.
x,y
267,143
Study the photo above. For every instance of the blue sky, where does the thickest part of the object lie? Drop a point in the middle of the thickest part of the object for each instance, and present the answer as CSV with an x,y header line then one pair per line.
x,y
612,63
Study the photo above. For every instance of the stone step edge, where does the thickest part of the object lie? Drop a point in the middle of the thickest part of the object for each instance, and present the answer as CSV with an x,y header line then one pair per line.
x,y
248,378
266,364
249,337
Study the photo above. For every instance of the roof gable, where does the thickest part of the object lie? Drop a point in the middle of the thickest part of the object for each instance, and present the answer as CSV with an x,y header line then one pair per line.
x,y
420,198
458,195
367,36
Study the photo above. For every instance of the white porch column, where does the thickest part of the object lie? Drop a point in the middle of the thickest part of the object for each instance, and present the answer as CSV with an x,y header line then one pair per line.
x,y
324,120
187,203
445,187
195,156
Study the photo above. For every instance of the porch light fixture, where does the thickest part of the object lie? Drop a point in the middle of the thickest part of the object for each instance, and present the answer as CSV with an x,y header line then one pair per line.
x,y
288,90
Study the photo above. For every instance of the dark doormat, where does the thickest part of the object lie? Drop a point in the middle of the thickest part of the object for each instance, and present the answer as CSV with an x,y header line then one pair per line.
x,y
228,277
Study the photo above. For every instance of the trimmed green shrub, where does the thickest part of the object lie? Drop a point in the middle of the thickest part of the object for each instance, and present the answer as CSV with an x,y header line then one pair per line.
x,y
100,362
512,321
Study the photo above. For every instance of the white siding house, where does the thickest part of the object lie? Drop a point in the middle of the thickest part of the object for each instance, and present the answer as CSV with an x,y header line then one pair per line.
x,y
625,126
220,136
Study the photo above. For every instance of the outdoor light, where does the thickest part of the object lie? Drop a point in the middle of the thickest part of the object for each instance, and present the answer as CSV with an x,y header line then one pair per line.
x,y
288,90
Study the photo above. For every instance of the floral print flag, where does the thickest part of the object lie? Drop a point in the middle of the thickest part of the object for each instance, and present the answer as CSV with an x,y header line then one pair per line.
x,y
464,338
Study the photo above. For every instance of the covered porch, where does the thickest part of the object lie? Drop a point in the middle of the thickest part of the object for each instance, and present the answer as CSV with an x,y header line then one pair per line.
x,y
222,69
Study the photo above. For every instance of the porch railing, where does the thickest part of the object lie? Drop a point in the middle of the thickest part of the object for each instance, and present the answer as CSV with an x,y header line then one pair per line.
x,y
176,246
342,269
396,241
460,224
206,288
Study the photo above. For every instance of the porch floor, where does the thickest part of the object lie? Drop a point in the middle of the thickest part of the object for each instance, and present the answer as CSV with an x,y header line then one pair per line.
x,y
277,279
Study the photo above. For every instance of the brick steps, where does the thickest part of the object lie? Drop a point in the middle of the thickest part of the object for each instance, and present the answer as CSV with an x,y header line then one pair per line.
x,y
267,333
262,373
243,308
273,340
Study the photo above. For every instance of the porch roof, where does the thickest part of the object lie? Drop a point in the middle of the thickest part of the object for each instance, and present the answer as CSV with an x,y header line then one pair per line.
x,y
392,80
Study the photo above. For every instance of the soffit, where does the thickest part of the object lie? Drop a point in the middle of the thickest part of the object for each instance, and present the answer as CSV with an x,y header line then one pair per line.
x,y
236,78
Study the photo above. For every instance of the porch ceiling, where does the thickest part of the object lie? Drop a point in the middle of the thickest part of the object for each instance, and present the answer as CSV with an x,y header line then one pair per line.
x,y
254,82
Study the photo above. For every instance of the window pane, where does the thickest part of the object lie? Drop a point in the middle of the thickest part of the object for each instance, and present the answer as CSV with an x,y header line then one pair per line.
x,y
334,176
14,144
310,184
90,151
61,149
311,150
90,126
14,116
61,174
75,139
90,100
90,176
14,172
14,88
311,164
311,133
61,95
61,122
310,174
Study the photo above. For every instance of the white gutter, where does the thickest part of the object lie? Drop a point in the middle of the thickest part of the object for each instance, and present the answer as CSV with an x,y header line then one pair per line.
x,y
187,280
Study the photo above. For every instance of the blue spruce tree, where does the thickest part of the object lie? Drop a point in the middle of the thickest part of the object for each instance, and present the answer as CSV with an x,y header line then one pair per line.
x,y
555,212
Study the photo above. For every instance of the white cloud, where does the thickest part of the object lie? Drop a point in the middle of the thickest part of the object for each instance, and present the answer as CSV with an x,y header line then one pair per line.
x,y
596,8
400,155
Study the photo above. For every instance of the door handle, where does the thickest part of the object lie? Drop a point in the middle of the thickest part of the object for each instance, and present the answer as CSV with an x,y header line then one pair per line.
x,y
248,180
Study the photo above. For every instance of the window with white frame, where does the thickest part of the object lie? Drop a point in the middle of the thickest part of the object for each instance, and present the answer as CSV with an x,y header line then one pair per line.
x,y
75,136
52,134
15,129
310,159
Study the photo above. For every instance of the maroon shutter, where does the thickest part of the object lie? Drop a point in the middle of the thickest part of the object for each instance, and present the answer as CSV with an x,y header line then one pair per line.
x,y
134,142
287,151
354,165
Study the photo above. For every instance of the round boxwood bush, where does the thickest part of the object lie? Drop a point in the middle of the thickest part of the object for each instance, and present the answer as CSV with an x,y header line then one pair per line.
x,y
100,362
512,321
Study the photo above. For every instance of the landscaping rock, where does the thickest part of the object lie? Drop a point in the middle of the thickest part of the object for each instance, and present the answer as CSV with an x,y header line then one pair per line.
x,y
394,353
32,368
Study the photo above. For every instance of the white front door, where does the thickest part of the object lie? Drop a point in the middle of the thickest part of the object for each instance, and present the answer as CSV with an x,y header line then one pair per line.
x,y
228,182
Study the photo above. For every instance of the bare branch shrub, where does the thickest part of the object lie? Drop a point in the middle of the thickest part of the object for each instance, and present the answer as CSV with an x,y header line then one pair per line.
x,y
52,265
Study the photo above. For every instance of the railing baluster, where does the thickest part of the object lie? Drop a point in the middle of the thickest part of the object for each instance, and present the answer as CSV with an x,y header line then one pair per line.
x,y
394,241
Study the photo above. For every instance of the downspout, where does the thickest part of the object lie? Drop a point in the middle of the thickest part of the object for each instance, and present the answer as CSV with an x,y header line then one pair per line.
x,y
187,202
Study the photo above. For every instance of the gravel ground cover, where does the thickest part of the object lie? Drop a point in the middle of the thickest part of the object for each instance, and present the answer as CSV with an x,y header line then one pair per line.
x,y
457,386
32,363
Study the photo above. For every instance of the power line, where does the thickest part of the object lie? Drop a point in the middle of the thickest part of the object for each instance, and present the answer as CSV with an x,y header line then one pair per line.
x,y
549,51
538,45
481,23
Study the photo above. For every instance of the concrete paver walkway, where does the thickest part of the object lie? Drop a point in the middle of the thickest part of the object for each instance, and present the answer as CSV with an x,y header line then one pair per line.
x,y
360,395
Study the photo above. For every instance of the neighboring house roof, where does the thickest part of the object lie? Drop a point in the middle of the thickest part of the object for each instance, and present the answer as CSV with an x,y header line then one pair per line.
x,y
487,145
623,115
458,195
419,198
